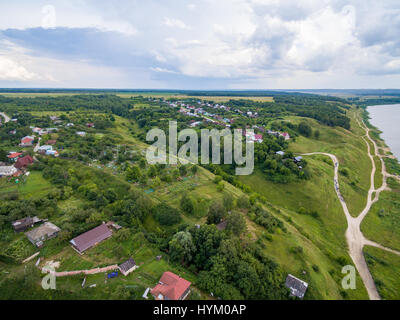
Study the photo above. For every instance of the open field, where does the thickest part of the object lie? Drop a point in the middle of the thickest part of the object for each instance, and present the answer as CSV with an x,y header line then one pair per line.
x,y
385,269
382,223
35,186
217,99
164,95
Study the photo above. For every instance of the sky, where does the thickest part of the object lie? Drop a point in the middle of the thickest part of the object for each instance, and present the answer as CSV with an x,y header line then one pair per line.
x,y
200,44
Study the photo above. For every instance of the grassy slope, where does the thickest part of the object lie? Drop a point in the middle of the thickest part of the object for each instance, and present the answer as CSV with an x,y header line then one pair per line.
x,y
385,269
350,150
318,193
35,185
382,223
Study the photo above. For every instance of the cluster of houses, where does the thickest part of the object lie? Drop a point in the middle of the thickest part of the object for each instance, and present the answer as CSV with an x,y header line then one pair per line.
x,y
252,137
170,286
47,149
19,167
21,162
199,112
285,135
38,235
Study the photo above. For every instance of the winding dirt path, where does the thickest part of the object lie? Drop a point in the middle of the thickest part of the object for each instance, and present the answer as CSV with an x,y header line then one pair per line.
x,y
6,118
355,238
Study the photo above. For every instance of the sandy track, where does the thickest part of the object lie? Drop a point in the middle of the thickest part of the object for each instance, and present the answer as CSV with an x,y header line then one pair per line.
x,y
6,118
354,237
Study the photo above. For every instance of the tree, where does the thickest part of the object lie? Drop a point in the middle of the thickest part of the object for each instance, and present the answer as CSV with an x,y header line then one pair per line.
x,y
236,223
187,204
183,170
110,195
207,240
217,179
123,234
181,247
3,156
305,129
243,202
215,213
142,163
95,218
166,215
220,186
175,174
194,169
228,201
317,134
133,173
152,172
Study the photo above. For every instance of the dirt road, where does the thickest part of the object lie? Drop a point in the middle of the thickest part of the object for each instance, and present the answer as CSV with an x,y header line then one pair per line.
x,y
354,237
6,118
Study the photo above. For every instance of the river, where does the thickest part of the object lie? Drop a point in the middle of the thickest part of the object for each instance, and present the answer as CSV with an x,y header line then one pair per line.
x,y
387,119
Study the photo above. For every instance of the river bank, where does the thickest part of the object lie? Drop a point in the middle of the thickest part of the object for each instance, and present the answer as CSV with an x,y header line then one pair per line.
x,y
385,120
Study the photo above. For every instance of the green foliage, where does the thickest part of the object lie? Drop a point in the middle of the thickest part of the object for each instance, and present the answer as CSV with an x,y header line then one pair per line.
x,y
236,223
305,129
166,215
187,204
181,247
216,212
243,202
133,173
228,201
267,220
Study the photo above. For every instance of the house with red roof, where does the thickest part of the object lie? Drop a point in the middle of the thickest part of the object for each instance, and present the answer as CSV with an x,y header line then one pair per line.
x,y
258,138
14,156
51,142
171,287
27,141
23,162
285,135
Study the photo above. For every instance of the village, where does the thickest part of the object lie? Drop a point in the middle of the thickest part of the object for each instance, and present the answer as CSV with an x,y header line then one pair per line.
x,y
170,286
214,118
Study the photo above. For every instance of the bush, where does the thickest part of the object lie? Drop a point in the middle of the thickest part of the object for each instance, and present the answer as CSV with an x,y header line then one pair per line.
x,y
166,215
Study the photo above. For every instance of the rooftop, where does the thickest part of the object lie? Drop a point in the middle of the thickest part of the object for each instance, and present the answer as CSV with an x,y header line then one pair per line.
x,y
170,286
47,228
127,265
297,287
91,238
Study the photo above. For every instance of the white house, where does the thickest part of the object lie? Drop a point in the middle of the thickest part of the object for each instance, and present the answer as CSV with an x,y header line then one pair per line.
x,y
7,171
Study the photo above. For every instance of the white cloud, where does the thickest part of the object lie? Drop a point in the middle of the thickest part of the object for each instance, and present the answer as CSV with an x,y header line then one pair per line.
x,y
11,70
275,43
170,22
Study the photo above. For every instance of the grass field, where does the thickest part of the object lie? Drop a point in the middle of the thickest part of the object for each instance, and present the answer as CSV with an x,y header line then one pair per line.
x,y
35,186
385,269
164,95
382,224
